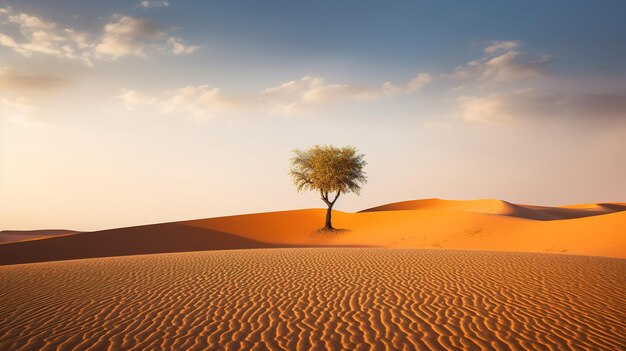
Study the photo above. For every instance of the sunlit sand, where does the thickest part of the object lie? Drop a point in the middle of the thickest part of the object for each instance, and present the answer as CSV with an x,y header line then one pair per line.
x,y
322,298
594,229
426,274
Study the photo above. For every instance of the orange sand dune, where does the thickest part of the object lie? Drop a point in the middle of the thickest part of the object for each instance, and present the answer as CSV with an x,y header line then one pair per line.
x,y
500,207
602,235
612,206
7,236
148,239
479,224
316,299
478,206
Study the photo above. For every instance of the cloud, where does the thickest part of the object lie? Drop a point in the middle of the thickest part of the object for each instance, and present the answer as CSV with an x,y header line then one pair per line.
x,y
199,102
137,28
419,82
128,36
9,42
309,93
337,92
154,4
45,37
178,48
133,99
21,94
532,104
491,108
123,36
204,101
13,81
305,95
296,86
502,46
503,63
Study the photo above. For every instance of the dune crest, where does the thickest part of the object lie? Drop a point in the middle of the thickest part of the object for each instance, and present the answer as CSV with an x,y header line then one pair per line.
x,y
7,236
499,207
491,206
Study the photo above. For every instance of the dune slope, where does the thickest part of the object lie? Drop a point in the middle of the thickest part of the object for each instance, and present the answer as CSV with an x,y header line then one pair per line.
x,y
158,238
479,225
303,299
7,236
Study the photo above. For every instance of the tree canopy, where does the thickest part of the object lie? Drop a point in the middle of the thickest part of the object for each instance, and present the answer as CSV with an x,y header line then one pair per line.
x,y
328,169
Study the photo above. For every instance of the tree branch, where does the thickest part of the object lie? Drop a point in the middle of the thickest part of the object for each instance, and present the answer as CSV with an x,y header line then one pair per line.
x,y
336,197
325,198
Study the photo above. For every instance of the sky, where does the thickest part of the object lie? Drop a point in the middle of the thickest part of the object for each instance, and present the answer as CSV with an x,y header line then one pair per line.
x,y
120,113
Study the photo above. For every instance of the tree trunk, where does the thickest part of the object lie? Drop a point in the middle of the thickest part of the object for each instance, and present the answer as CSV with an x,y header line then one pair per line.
x,y
329,225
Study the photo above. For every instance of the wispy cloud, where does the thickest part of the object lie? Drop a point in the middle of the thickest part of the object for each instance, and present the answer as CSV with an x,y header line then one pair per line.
x,y
177,47
532,105
302,96
154,4
419,82
133,99
311,92
44,37
14,81
21,93
122,36
496,46
198,102
127,35
503,62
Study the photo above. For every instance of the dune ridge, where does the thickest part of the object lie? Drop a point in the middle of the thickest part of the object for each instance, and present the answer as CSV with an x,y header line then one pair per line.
x,y
499,207
314,299
593,229
157,238
21,235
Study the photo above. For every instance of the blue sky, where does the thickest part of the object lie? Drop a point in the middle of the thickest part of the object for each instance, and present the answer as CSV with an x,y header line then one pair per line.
x,y
149,111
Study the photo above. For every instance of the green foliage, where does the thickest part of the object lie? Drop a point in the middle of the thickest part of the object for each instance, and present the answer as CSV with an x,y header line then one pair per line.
x,y
328,169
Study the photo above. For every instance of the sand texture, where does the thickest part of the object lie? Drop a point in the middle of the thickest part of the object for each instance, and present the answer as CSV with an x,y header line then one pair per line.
x,y
323,298
588,229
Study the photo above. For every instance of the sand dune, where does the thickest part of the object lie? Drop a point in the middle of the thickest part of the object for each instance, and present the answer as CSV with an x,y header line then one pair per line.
x,y
158,238
489,206
7,236
303,299
499,207
597,230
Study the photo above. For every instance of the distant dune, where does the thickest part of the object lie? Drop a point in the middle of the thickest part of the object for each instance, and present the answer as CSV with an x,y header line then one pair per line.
x,y
593,229
500,207
316,299
7,236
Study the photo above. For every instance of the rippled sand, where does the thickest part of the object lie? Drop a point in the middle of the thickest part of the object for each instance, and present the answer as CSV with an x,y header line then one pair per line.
x,y
301,299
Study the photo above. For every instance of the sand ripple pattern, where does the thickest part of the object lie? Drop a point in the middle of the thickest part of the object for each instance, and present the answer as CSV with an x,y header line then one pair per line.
x,y
303,299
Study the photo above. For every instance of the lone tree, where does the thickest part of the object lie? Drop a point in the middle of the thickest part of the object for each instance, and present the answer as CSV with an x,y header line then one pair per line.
x,y
329,170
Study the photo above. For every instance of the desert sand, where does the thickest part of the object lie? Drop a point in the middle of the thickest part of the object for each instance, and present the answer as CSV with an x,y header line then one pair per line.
x,y
319,298
7,236
588,229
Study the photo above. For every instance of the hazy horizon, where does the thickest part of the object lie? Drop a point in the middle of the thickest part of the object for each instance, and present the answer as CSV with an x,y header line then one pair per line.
x,y
124,113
